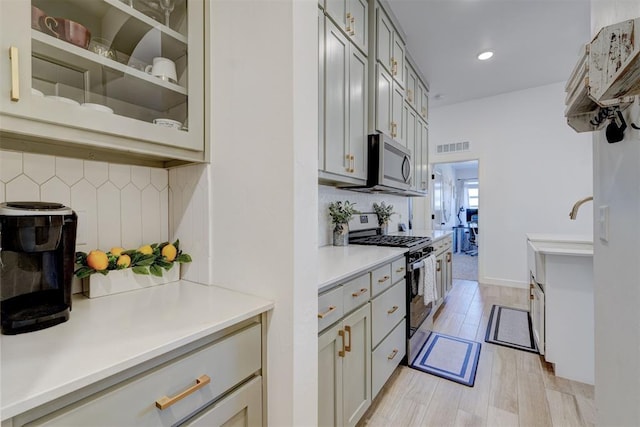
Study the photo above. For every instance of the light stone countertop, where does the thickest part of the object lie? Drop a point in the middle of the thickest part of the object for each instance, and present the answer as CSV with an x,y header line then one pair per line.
x,y
107,335
337,263
561,244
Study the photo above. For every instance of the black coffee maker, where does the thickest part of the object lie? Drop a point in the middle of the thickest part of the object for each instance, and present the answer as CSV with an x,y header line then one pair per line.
x,y
37,251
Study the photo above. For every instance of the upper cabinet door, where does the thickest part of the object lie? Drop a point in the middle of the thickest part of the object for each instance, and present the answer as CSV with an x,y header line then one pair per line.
x,y
397,105
398,60
336,157
358,15
424,104
411,86
358,109
384,83
320,89
384,40
351,16
106,74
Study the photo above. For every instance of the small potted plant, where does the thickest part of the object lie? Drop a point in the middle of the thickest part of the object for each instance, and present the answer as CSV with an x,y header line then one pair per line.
x,y
340,214
384,213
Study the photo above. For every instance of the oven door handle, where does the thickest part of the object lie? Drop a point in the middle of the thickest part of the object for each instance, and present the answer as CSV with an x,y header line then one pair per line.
x,y
416,265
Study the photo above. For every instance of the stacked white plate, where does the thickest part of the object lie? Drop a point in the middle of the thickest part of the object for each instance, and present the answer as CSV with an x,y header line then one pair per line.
x,y
63,99
98,107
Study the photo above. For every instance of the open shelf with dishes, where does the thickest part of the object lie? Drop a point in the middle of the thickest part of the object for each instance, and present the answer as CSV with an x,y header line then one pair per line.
x,y
117,71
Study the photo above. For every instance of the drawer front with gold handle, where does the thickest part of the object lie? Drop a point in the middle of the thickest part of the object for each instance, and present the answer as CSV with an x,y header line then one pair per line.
x,y
330,308
356,292
219,367
381,279
387,310
398,270
386,357
165,401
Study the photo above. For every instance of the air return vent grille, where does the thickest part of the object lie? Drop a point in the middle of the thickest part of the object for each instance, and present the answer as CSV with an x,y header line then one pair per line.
x,y
453,147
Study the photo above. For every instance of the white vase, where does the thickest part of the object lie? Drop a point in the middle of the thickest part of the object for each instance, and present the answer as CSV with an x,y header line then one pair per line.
x,y
384,228
116,281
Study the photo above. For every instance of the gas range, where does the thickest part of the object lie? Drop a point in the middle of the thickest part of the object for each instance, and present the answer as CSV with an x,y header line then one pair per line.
x,y
363,230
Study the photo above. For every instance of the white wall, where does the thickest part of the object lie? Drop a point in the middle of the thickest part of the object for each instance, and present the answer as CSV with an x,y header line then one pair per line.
x,y
364,203
532,168
263,195
616,266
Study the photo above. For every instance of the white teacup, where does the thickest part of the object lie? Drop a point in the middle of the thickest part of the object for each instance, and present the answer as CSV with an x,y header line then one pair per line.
x,y
163,68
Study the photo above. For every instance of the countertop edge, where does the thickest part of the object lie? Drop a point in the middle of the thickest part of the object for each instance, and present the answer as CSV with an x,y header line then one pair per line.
x,y
334,281
31,402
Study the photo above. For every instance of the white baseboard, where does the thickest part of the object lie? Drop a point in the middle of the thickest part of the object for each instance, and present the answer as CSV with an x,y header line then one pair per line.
x,y
503,282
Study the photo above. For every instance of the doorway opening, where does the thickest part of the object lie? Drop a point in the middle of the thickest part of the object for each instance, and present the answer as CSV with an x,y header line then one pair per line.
x,y
455,206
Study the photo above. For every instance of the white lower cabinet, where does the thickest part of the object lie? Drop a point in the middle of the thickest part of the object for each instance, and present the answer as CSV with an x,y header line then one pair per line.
x,y
198,384
344,363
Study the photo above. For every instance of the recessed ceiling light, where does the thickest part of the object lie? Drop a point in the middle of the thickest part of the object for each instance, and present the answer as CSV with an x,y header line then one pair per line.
x,y
485,55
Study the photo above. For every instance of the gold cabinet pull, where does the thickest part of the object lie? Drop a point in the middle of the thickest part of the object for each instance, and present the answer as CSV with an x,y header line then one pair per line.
x,y
393,354
360,292
394,129
393,310
326,313
439,265
352,163
348,346
165,402
410,95
531,297
341,352
15,73
384,279
400,270
448,256
353,26
348,27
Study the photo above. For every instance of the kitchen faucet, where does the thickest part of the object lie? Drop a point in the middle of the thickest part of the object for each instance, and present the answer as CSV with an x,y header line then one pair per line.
x,y
574,210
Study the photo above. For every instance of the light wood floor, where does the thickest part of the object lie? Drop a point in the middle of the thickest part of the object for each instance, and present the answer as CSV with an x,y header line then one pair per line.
x,y
512,387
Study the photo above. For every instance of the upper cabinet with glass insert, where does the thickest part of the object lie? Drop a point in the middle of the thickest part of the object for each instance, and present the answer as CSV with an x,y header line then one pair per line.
x,y
123,77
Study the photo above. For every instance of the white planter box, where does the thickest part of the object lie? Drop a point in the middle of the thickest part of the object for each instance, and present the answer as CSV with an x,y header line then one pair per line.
x,y
98,285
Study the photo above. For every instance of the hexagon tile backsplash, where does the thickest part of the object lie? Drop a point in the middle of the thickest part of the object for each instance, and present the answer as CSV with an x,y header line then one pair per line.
x,y
117,205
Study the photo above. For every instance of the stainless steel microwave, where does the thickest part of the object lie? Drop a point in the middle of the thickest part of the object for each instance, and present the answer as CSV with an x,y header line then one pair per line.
x,y
389,165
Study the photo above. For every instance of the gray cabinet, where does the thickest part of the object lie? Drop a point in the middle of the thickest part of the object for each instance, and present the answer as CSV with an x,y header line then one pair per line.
x,y
389,47
351,16
343,150
389,101
73,100
220,381
344,370
444,265
358,320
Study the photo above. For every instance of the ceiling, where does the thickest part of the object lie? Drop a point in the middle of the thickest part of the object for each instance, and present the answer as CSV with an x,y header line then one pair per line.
x,y
536,42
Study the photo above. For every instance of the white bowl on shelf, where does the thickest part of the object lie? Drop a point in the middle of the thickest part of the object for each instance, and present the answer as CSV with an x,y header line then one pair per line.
x,y
36,92
168,123
97,107
63,99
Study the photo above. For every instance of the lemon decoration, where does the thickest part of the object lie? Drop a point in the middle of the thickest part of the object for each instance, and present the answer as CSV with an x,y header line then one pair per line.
x,y
117,251
150,259
146,249
97,260
123,261
169,252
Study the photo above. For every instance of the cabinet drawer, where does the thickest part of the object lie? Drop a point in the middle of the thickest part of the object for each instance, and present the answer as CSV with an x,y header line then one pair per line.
x,y
381,279
227,363
330,308
356,292
387,310
398,270
386,357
